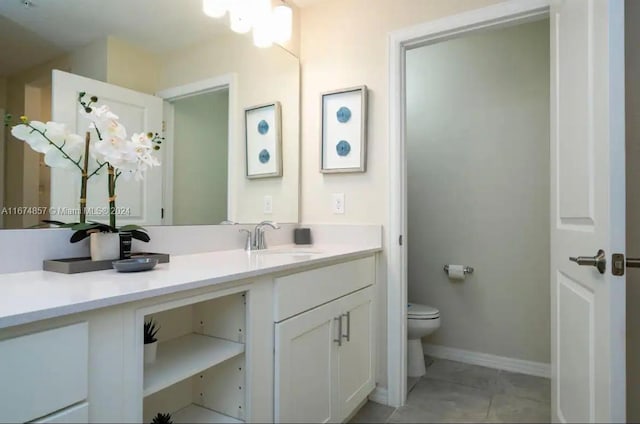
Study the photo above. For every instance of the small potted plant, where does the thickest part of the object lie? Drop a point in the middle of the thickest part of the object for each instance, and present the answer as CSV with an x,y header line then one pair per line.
x,y
150,341
161,418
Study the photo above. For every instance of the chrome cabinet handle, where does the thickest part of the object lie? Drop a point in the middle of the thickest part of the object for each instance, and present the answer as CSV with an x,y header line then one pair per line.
x,y
599,261
339,339
348,335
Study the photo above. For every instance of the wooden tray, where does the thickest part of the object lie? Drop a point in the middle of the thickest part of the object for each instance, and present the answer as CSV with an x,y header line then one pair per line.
x,y
77,265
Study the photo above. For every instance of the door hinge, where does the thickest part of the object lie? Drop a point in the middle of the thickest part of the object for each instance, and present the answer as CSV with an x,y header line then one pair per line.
x,y
164,126
162,213
400,240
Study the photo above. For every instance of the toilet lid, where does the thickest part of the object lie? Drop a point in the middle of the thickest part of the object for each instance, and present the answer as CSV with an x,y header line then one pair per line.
x,y
422,311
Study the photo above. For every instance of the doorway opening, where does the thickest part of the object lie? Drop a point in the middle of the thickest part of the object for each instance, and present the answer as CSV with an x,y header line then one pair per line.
x,y
477,149
199,130
587,212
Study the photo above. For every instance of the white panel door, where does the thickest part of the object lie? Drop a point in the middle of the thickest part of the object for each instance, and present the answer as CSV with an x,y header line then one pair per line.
x,y
305,368
356,378
587,209
138,202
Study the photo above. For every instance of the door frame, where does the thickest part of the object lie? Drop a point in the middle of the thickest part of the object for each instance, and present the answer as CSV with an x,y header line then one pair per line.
x,y
169,95
502,14
3,131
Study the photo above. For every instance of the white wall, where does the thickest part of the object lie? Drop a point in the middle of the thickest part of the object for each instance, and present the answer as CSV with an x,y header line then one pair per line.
x,y
478,188
264,76
200,158
131,67
344,44
91,61
632,43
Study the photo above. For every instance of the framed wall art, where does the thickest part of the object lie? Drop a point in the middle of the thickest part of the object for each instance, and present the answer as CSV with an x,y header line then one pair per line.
x,y
344,131
263,134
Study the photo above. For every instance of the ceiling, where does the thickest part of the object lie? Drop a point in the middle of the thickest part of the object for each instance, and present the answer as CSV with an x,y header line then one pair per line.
x,y
48,28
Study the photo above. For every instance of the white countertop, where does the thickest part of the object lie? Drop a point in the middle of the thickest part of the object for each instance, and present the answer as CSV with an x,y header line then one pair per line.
x,y
32,296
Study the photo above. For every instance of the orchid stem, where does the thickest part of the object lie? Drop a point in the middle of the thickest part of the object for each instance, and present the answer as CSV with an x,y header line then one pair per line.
x,y
83,186
112,196
64,154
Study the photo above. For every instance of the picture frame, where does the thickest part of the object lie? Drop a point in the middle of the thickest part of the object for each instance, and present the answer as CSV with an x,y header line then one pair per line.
x,y
263,140
343,132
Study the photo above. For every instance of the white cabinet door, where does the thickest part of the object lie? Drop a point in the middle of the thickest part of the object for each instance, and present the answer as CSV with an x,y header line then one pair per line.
x,y
43,372
319,379
356,354
305,355
75,415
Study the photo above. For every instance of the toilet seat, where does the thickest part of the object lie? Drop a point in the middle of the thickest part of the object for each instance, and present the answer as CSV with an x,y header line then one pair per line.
x,y
417,311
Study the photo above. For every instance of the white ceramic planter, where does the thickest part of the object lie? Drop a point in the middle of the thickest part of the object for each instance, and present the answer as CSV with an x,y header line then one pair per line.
x,y
150,350
104,246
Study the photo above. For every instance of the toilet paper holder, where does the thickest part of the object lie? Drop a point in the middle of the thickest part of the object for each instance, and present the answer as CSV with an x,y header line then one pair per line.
x,y
466,269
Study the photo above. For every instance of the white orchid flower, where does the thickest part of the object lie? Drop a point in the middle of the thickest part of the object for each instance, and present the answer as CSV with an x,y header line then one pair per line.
x,y
61,148
73,149
112,128
99,114
105,121
32,136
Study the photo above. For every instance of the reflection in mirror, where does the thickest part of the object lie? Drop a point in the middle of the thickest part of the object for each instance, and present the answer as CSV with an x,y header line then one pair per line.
x,y
200,153
202,179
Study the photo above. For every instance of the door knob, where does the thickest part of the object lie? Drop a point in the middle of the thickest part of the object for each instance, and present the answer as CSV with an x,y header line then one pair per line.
x,y
599,261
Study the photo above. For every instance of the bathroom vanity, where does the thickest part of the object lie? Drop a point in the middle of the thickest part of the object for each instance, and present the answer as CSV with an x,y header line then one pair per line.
x,y
284,334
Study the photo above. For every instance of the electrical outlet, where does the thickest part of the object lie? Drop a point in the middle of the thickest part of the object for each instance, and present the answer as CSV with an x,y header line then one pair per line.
x,y
337,203
267,204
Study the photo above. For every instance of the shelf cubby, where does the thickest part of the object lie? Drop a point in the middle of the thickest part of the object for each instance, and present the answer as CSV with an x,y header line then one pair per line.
x,y
184,357
197,414
199,372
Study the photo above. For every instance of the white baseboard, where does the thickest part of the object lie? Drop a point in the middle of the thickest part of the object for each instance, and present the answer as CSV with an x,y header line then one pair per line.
x,y
539,369
380,395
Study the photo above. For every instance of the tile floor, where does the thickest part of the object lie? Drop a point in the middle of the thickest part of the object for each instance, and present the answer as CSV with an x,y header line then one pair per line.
x,y
457,392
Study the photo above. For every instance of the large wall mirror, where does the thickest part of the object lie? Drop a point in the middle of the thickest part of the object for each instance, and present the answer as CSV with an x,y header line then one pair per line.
x,y
162,66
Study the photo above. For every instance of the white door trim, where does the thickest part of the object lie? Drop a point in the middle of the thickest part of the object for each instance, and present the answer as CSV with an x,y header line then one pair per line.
x,y
2,135
508,12
229,81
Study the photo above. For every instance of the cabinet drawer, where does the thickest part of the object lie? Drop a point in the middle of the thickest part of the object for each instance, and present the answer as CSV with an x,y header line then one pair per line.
x,y
43,372
305,290
75,414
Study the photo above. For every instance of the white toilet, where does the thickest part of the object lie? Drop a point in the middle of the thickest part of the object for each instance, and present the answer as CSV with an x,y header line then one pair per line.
x,y
422,320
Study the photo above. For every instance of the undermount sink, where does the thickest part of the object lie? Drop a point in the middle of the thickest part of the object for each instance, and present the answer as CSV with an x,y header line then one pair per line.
x,y
291,251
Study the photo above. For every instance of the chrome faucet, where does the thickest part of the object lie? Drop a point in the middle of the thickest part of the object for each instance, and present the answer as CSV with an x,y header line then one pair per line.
x,y
257,242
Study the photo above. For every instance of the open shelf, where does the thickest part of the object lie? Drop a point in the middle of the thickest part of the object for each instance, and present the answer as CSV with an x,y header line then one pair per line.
x,y
197,414
184,357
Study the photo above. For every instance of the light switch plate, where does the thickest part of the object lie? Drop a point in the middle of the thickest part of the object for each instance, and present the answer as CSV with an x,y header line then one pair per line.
x,y
267,204
337,203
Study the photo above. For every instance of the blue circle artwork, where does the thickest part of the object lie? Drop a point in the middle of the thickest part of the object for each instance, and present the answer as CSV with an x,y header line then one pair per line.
x,y
343,148
264,156
263,127
343,114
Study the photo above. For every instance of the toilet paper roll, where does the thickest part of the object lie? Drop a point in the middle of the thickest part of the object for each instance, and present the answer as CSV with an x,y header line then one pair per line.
x,y
456,272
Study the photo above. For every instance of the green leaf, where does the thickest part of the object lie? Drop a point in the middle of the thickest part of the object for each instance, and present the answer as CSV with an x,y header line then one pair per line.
x,y
79,235
51,221
139,235
85,226
132,227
